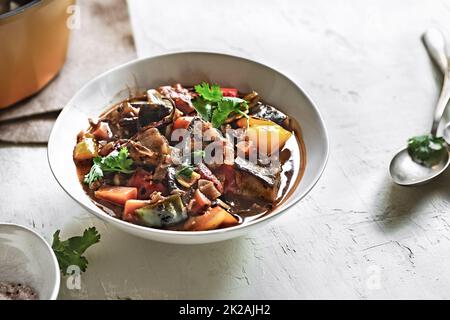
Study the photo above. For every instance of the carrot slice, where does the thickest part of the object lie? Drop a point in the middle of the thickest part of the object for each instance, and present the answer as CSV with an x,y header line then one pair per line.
x,y
212,219
117,195
182,123
130,207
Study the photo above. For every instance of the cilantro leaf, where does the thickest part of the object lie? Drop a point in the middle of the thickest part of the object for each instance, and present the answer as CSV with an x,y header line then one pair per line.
x,y
224,108
427,150
203,107
96,172
213,93
213,107
70,252
116,161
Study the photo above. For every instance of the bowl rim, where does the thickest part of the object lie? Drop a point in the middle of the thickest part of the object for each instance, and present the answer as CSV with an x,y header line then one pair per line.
x,y
55,292
188,234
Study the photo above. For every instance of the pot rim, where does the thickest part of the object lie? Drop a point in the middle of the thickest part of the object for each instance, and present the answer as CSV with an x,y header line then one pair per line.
x,y
21,9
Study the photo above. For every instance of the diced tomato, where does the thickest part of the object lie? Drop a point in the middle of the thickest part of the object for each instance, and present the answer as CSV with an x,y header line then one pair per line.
x,y
212,219
182,123
206,174
130,207
142,180
117,195
229,92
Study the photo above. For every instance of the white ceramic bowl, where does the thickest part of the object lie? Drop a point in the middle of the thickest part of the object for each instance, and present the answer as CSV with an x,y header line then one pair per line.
x,y
186,68
25,257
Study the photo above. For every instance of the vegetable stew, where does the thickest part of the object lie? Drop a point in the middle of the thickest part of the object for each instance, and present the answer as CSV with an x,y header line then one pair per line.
x,y
190,158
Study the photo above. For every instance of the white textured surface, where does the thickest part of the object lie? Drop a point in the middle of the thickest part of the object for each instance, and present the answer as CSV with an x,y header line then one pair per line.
x,y
356,235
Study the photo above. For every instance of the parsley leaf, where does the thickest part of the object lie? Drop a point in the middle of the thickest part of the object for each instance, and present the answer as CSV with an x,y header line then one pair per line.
x,y
426,149
96,172
213,107
213,93
224,108
70,252
203,107
116,161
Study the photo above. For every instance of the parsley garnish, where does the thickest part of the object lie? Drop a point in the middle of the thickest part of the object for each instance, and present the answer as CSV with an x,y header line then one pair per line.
x,y
70,252
96,172
224,108
116,161
203,107
212,106
213,93
426,149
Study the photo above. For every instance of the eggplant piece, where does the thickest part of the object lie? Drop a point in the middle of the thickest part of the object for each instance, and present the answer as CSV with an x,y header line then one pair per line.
x,y
252,99
252,187
172,181
131,123
166,212
253,180
156,111
268,112
268,174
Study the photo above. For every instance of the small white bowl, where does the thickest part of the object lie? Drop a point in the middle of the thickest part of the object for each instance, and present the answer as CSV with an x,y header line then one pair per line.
x,y
187,68
26,258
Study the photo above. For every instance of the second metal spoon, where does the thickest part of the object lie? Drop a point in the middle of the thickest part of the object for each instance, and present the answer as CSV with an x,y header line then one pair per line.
x,y
403,169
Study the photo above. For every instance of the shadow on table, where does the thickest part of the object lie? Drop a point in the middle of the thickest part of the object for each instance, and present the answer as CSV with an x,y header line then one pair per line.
x,y
399,204
127,267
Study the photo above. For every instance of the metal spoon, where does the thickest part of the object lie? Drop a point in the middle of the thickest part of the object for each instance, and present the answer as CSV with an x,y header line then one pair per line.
x,y
404,171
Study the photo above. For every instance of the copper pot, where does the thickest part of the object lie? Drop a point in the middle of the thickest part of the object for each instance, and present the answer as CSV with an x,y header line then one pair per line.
x,y
33,47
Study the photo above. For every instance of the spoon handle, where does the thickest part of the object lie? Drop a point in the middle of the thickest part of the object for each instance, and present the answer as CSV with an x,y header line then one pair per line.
x,y
441,104
435,44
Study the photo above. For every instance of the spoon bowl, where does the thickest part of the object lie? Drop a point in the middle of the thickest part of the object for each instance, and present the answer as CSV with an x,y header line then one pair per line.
x,y
446,133
406,172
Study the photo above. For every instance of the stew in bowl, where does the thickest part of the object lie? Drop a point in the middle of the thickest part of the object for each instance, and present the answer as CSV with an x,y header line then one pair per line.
x,y
190,158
